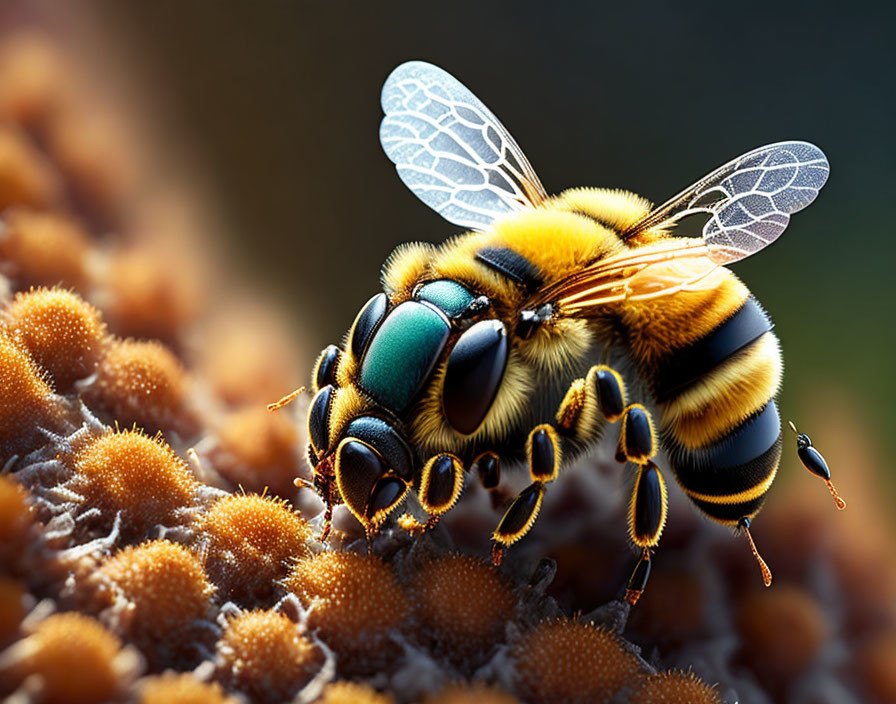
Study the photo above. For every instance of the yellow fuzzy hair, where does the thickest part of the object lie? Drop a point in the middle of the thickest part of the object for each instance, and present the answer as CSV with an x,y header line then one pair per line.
x,y
616,209
556,242
631,512
726,397
404,267
430,430
347,404
655,327
557,345
456,260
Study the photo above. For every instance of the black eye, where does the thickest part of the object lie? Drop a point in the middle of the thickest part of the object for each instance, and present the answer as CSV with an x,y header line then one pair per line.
x,y
358,468
366,322
386,441
325,370
318,417
475,369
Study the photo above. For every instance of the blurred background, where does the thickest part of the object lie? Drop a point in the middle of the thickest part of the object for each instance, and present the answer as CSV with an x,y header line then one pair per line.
x,y
259,122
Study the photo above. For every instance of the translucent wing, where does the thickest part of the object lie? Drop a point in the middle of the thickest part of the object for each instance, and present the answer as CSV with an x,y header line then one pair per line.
x,y
451,151
749,200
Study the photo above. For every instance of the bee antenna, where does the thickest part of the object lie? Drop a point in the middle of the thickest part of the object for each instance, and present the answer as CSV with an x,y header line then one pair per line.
x,y
841,504
286,400
302,483
766,572
793,427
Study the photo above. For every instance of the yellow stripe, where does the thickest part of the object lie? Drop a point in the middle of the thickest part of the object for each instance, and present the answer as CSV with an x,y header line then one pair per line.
x,y
752,493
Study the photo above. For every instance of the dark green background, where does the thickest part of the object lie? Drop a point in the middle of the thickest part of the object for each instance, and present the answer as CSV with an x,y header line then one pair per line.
x,y
282,102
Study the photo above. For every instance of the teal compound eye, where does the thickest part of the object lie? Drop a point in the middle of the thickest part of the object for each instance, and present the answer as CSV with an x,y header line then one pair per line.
x,y
446,295
403,353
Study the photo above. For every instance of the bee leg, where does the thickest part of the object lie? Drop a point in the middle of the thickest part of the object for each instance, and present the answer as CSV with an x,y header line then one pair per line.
x,y
543,452
637,438
646,518
600,392
441,483
488,468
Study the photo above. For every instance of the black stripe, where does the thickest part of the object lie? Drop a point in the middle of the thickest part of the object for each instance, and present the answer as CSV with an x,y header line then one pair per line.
x,y
686,365
730,512
726,481
511,264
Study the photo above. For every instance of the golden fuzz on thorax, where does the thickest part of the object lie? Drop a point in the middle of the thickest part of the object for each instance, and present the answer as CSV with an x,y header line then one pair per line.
x,y
251,542
26,398
72,658
43,249
135,474
164,587
143,383
673,687
355,603
566,661
462,605
181,688
263,655
63,333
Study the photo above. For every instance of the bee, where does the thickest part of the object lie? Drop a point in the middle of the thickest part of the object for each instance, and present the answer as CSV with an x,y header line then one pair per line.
x,y
549,320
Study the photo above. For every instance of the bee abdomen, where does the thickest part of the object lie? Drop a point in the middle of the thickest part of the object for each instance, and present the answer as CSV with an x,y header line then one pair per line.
x,y
720,423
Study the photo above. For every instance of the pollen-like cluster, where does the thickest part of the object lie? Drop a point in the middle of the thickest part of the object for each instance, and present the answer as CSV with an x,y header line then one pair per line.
x,y
153,547
143,383
251,542
328,583
264,655
462,606
70,658
567,661
171,688
155,594
43,249
27,402
139,477
63,333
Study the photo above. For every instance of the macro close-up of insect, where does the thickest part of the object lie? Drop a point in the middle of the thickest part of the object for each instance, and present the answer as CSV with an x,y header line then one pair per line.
x,y
551,323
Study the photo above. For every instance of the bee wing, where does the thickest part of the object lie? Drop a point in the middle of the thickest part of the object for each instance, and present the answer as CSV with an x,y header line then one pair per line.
x,y
451,151
673,265
748,201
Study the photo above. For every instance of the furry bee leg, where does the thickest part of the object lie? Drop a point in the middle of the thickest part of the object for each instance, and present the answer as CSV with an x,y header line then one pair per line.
x,y
600,393
441,483
544,455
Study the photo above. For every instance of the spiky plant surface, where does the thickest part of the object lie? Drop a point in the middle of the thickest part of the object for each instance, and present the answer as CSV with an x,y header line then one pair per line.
x,y
154,549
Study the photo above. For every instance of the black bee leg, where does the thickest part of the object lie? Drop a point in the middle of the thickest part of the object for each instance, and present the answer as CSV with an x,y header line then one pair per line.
x,y
646,518
543,452
637,438
600,393
487,467
441,483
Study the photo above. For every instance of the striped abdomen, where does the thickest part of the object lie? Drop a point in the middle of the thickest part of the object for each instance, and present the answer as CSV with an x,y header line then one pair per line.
x,y
715,395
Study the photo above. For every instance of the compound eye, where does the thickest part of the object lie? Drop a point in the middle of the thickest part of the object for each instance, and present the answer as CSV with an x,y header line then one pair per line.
x,y
358,467
475,369
385,495
325,369
366,322
318,419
